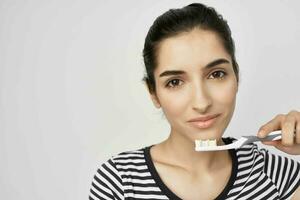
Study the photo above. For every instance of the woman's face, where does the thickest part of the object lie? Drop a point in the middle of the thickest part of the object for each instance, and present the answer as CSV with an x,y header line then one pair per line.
x,y
195,78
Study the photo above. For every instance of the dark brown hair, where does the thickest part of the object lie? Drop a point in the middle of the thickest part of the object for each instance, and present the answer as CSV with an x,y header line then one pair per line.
x,y
176,21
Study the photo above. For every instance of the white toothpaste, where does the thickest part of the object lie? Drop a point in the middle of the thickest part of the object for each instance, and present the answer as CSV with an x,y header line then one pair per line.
x,y
206,143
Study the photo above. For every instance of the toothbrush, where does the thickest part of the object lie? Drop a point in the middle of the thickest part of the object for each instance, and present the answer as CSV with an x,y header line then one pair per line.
x,y
211,145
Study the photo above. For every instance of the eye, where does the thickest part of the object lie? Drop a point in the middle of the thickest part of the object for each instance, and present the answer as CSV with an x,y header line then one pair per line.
x,y
173,83
217,74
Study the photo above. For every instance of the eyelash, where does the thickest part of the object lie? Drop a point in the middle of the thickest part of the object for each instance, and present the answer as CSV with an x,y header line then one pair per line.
x,y
168,83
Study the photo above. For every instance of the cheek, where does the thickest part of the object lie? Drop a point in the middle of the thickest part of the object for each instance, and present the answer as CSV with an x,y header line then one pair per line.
x,y
225,94
173,104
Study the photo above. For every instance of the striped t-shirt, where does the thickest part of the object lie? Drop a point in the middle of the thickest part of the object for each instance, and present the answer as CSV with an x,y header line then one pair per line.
x,y
256,174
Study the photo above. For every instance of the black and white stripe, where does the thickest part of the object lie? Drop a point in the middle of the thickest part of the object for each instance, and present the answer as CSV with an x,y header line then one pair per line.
x,y
257,174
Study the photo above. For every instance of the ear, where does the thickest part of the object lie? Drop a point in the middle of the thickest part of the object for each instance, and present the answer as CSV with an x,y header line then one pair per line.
x,y
154,98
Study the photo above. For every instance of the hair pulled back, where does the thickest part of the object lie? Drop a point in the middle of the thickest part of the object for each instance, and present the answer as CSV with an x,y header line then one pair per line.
x,y
177,21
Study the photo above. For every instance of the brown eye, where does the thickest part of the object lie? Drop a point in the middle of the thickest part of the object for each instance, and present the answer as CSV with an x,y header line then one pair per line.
x,y
219,74
173,83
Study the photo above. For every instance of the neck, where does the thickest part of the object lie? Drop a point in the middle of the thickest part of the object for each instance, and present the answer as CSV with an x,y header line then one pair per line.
x,y
181,152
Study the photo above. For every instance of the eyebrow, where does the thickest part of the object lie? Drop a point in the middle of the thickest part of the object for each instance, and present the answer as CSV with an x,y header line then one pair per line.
x,y
208,66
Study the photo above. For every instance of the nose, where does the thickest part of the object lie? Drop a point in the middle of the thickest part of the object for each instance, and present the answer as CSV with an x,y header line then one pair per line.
x,y
200,98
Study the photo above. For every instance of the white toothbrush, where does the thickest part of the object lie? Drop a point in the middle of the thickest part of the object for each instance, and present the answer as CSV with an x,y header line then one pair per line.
x,y
211,145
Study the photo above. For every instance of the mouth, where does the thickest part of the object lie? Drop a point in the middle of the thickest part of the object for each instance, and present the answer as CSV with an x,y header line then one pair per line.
x,y
202,124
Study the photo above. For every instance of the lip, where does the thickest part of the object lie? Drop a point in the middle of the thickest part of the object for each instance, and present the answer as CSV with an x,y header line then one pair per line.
x,y
204,122
204,118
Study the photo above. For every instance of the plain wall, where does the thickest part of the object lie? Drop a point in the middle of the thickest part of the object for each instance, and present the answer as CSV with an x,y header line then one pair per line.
x,y
71,94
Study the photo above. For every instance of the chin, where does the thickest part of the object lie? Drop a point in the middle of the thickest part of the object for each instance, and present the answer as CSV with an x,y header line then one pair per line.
x,y
206,134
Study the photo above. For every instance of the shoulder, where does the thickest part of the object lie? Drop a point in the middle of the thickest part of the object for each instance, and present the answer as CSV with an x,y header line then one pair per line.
x,y
282,171
124,162
271,161
108,181
130,157
129,154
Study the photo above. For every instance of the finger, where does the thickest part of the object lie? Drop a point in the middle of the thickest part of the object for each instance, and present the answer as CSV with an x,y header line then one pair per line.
x,y
272,143
272,125
288,127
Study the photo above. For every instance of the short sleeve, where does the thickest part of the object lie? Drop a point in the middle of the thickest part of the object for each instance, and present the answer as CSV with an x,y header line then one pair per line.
x,y
106,183
284,173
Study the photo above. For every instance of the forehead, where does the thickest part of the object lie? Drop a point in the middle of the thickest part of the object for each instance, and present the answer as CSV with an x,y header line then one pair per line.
x,y
194,48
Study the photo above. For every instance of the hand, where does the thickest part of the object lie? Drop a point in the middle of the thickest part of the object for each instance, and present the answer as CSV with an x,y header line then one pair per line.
x,y
289,125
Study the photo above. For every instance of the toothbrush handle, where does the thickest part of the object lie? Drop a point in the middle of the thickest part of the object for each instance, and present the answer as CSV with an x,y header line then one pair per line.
x,y
270,137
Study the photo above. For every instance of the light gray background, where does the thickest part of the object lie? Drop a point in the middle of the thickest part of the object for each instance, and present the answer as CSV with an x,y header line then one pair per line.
x,y
71,94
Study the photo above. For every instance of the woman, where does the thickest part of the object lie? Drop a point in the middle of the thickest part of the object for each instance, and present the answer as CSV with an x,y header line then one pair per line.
x,y
192,74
